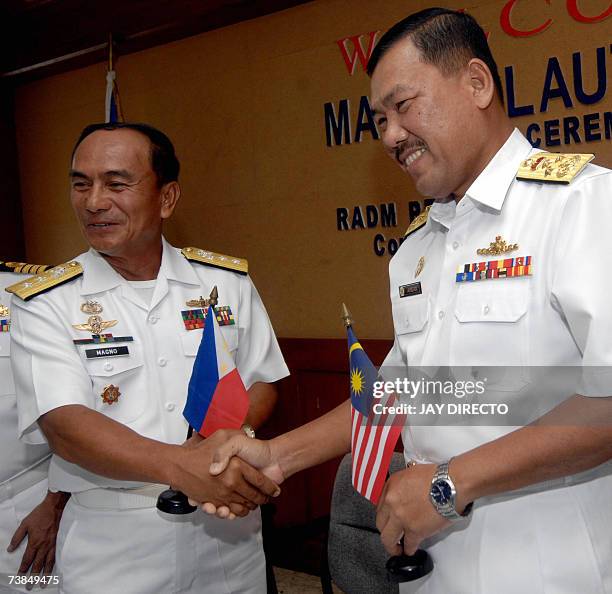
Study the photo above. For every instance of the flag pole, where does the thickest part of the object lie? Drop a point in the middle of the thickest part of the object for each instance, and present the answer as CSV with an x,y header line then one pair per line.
x,y
171,501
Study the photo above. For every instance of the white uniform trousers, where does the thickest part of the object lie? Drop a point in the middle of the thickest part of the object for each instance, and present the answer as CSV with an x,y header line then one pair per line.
x,y
143,551
13,509
557,541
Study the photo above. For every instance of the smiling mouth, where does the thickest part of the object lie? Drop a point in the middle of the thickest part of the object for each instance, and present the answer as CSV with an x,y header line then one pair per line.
x,y
411,155
100,225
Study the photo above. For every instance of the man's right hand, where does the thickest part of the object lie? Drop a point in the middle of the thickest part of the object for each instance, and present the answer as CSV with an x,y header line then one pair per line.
x,y
256,452
236,488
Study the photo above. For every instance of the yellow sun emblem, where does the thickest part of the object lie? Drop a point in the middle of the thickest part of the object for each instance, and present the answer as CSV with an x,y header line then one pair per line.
x,y
357,381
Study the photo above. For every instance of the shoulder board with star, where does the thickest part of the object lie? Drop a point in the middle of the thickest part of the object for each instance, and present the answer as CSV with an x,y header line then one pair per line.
x,y
418,222
45,281
23,267
553,168
208,258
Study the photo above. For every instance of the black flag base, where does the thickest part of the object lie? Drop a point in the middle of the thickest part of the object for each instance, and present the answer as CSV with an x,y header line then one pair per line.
x,y
407,568
174,502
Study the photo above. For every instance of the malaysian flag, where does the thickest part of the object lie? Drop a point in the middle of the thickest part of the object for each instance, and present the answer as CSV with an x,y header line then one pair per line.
x,y
373,432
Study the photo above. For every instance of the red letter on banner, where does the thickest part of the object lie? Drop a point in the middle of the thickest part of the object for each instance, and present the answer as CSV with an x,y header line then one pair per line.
x,y
572,8
358,52
509,28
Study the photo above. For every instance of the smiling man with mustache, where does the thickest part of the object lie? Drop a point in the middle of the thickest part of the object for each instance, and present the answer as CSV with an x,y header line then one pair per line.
x,y
540,483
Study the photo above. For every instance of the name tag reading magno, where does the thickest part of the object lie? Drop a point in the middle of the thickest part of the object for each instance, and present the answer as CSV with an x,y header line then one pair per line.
x,y
107,352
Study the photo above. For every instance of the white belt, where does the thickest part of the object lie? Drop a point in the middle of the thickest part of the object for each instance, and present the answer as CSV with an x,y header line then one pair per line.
x,y
24,480
118,499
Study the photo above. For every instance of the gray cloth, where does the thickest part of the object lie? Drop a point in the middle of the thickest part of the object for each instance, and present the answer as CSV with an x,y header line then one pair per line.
x,y
356,555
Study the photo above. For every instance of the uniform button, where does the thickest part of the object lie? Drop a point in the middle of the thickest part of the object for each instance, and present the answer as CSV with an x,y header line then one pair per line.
x,y
108,367
455,245
486,309
153,320
170,406
441,314
162,362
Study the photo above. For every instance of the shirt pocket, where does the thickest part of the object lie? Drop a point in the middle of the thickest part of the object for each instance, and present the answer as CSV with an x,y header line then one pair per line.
x,y
124,373
191,340
410,314
7,385
410,321
492,332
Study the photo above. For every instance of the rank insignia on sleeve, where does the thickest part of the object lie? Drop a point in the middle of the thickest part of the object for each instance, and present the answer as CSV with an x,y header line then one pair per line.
x,y
110,394
508,268
553,168
208,258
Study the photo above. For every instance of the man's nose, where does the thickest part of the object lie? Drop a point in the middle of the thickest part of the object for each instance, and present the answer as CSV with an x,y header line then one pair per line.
x,y
97,199
394,134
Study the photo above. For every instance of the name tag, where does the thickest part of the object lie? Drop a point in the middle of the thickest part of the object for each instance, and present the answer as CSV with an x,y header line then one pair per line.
x,y
107,352
410,290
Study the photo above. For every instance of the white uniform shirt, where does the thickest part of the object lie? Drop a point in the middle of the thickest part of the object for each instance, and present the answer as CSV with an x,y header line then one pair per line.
x,y
17,459
549,537
51,371
15,456
558,316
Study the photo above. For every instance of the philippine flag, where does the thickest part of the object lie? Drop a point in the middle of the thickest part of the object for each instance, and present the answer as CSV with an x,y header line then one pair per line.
x,y
216,397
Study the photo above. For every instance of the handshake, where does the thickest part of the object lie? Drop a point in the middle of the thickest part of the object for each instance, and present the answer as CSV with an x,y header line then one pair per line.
x,y
227,474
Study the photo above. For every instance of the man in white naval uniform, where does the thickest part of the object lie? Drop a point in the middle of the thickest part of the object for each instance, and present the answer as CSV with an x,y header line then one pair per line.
x,y
26,507
102,362
542,513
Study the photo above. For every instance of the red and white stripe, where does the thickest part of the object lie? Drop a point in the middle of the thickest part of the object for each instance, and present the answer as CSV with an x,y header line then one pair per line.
x,y
373,441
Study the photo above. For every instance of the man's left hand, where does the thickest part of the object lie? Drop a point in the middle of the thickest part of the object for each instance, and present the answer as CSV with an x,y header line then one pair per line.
x,y
40,526
405,510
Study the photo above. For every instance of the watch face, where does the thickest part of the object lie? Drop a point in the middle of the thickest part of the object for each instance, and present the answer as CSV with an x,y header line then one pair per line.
x,y
441,492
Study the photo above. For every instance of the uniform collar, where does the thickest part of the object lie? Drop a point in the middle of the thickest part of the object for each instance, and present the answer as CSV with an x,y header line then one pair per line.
x,y
491,186
100,276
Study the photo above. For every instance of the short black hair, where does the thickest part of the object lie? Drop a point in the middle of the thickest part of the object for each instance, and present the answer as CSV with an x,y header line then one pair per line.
x,y
448,39
163,158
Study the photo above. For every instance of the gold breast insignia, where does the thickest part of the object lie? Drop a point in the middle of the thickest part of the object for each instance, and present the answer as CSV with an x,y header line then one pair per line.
x,y
420,266
91,307
4,311
110,394
201,302
95,325
497,247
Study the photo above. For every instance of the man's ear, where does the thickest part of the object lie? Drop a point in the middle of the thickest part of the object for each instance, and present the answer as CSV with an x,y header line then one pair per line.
x,y
481,83
170,194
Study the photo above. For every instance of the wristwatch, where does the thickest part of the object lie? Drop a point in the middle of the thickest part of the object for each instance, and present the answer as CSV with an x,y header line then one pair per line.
x,y
443,493
248,430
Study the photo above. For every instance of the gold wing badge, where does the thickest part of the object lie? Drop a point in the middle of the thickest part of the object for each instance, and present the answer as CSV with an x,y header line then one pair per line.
x,y
95,325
